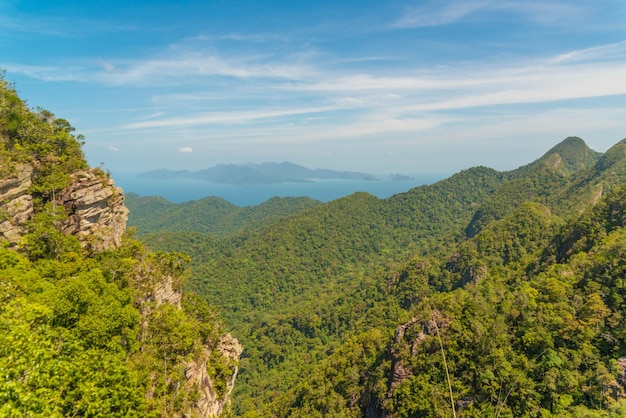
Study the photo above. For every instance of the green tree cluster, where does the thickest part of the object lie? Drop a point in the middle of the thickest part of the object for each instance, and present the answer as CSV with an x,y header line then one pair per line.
x,y
347,309
211,215
83,333
40,139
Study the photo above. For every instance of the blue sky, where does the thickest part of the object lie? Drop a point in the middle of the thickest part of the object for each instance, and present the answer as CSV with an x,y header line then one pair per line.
x,y
375,86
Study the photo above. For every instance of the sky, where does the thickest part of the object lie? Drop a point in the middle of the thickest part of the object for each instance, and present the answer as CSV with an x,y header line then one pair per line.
x,y
394,86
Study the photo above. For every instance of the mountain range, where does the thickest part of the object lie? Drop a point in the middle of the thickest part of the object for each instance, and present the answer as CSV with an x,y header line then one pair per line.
x,y
253,173
485,294
489,293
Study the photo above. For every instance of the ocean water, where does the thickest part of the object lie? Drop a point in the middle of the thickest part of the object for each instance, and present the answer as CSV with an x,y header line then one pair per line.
x,y
183,190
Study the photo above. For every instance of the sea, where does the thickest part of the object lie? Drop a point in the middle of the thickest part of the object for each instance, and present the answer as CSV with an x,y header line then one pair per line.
x,y
184,190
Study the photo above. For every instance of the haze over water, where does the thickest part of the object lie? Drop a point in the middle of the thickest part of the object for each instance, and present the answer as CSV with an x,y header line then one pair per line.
x,y
182,190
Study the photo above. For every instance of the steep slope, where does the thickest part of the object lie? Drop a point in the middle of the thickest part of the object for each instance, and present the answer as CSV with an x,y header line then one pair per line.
x,y
540,181
335,279
91,323
567,157
606,174
534,327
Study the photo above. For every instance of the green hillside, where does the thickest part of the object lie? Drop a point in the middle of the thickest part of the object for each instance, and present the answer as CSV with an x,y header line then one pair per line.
x,y
103,333
488,293
211,215
317,297
534,326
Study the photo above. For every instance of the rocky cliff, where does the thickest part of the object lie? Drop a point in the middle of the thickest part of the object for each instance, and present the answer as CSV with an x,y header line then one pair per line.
x,y
16,203
212,372
97,216
95,207
212,400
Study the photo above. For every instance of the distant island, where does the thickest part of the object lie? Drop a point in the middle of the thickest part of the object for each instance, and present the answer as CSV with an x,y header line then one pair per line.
x,y
400,177
255,173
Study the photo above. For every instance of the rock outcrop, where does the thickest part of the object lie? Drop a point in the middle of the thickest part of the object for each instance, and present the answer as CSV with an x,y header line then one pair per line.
x,y
407,341
95,207
97,215
16,203
212,372
213,401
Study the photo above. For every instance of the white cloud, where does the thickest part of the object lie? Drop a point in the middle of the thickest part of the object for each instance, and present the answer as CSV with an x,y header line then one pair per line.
x,y
177,67
443,12
226,117
439,13
336,106
185,150
112,148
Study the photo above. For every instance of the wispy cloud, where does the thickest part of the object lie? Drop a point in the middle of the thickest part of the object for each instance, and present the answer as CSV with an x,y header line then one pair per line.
x,y
226,117
437,13
177,68
404,103
174,69
61,27
44,73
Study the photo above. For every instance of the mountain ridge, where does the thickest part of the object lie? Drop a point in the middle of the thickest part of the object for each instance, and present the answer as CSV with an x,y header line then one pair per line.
x,y
258,173
340,278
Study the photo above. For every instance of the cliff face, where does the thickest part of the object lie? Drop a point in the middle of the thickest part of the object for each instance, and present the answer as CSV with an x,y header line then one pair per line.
x,y
16,204
213,401
97,215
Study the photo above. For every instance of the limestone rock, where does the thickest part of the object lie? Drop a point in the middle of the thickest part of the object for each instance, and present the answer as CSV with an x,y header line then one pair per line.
x,y
164,292
97,215
16,204
211,402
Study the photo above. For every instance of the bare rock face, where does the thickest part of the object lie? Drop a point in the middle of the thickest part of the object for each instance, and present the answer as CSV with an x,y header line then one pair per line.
x,y
619,386
16,203
97,215
165,293
213,401
408,339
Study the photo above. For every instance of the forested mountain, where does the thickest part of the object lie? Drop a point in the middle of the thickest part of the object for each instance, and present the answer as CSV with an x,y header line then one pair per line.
x,y
486,294
348,308
91,322
211,215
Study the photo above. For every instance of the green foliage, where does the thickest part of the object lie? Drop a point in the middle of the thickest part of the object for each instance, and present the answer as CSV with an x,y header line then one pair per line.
x,y
44,240
62,347
526,293
78,337
210,215
84,333
525,336
40,139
